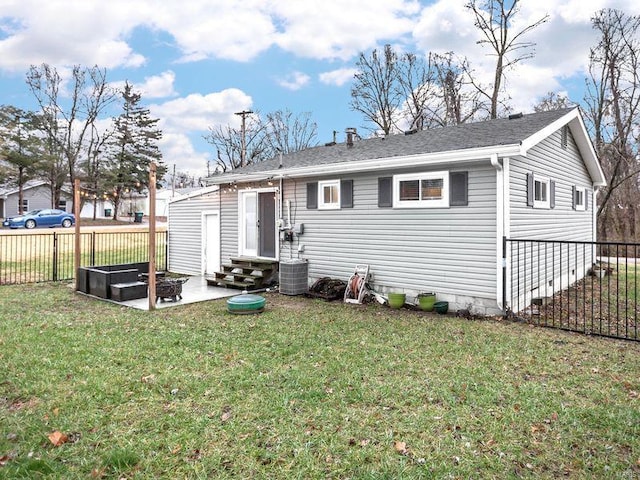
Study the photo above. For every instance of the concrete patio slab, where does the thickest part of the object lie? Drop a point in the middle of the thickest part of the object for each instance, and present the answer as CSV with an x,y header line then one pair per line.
x,y
194,290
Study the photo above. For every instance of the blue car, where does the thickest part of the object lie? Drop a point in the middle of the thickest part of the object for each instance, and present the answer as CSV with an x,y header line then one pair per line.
x,y
41,218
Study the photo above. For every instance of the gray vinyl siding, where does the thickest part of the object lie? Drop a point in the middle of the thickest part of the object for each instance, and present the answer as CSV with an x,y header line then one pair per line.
x,y
229,237
540,270
185,232
566,168
39,198
451,251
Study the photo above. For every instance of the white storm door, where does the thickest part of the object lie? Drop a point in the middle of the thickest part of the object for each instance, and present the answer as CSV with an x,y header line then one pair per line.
x,y
211,243
248,224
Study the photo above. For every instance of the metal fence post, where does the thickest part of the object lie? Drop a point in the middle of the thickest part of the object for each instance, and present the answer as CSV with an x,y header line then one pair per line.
x,y
93,248
55,257
504,276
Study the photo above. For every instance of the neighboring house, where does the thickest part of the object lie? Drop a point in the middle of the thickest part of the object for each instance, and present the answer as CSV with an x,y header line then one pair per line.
x,y
427,211
35,194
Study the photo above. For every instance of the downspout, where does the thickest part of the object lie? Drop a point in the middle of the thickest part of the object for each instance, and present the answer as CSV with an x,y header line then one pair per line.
x,y
500,261
281,199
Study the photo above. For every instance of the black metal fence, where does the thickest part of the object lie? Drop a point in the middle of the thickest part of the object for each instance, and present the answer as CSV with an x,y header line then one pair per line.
x,y
587,287
45,257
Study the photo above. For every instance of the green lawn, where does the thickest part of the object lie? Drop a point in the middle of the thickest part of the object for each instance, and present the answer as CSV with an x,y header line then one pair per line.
x,y
305,390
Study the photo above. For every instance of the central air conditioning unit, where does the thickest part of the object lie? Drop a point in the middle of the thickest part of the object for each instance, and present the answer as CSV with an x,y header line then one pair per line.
x,y
294,276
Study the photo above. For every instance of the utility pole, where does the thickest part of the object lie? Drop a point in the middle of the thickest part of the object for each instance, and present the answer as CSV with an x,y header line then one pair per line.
x,y
243,151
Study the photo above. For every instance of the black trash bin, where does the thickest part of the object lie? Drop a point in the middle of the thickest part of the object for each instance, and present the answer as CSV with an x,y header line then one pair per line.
x,y
107,212
138,217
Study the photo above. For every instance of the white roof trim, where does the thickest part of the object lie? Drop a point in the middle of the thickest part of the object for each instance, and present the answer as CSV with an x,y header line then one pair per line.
x,y
195,193
35,184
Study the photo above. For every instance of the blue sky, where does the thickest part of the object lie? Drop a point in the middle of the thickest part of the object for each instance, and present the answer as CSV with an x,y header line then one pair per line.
x,y
197,62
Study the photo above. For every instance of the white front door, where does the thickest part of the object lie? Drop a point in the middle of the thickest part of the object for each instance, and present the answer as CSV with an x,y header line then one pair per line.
x,y
211,243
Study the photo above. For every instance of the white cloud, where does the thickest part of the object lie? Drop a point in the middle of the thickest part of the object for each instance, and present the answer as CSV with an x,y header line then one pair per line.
x,y
338,77
184,118
177,149
335,29
57,33
158,86
196,112
294,81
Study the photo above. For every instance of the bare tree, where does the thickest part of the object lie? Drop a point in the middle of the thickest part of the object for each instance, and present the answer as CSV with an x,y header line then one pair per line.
x,y
613,114
493,18
228,142
553,101
69,123
458,101
375,92
417,85
95,166
279,131
286,132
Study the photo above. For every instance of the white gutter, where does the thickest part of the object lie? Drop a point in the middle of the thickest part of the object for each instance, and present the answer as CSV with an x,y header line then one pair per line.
x,y
422,160
499,225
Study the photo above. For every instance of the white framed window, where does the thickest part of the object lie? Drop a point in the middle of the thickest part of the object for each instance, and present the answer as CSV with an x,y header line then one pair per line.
x,y
62,205
421,190
24,208
579,199
541,192
329,195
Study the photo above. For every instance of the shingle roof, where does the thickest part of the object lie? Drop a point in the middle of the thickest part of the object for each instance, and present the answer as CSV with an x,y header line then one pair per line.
x,y
502,131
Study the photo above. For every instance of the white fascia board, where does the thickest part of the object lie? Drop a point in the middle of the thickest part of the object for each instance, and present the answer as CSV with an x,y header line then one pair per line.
x,y
422,160
196,193
579,131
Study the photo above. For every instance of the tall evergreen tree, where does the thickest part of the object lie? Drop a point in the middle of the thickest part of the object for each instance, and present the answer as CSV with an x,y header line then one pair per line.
x,y
134,146
21,148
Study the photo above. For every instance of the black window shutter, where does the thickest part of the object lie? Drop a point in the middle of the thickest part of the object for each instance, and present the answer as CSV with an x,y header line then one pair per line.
x,y
458,188
586,199
530,189
552,194
573,197
312,195
346,194
385,192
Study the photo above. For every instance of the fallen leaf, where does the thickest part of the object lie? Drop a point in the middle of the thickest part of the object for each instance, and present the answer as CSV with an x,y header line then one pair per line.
x,y
98,472
148,378
537,428
364,442
56,412
401,447
225,416
58,438
176,449
4,459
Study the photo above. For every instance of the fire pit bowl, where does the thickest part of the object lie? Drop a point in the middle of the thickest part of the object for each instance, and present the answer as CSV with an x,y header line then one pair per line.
x,y
170,288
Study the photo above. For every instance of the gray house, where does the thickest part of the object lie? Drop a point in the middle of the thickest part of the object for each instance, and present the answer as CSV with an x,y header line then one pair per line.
x,y
427,211
35,194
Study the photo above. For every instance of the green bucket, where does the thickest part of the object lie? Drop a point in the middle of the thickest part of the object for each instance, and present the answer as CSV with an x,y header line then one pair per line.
x,y
396,300
426,301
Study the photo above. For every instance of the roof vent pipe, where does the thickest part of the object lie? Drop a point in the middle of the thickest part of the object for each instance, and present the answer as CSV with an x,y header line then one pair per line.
x,y
351,133
515,116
